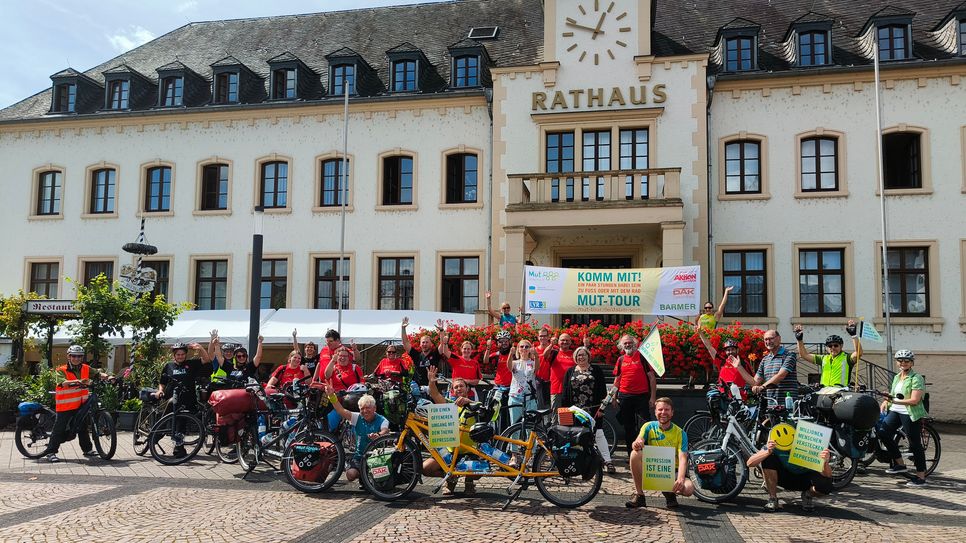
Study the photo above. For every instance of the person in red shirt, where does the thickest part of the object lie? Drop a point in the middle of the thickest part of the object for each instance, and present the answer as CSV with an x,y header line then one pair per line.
x,y
393,366
636,388
292,370
543,381
554,363
463,366
732,370
503,377
341,371
333,342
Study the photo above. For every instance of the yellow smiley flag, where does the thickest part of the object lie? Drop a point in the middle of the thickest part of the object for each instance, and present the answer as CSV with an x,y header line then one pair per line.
x,y
652,351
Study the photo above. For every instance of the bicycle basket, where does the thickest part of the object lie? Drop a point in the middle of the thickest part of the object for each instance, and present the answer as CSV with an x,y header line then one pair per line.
x,y
716,472
312,462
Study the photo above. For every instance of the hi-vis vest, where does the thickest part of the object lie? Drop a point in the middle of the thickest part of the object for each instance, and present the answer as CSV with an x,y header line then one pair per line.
x,y
70,398
835,372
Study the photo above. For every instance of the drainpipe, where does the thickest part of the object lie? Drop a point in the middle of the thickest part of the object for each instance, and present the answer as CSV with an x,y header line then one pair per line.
x,y
710,85
488,94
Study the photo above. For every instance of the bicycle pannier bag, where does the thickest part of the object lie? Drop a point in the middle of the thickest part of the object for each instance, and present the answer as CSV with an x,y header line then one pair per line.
x,y
312,462
381,467
234,400
573,450
716,472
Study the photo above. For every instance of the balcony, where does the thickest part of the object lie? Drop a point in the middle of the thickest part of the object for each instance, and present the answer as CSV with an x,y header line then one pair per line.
x,y
599,198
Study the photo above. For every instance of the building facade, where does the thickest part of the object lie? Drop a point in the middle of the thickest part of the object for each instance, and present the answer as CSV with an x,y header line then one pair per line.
x,y
736,136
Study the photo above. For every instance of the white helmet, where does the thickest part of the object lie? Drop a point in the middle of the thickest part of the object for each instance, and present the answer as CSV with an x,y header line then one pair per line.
x,y
905,354
75,350
421,408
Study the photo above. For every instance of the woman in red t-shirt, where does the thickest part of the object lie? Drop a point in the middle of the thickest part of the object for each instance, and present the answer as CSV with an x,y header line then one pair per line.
x,y
292,370
393,366
730,367
463,366
341,371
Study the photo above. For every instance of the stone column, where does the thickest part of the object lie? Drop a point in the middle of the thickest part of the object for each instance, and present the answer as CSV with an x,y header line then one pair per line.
x,y
515,238
672,243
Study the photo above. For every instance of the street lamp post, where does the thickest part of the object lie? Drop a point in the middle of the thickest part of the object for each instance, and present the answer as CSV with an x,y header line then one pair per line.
x,y
255,298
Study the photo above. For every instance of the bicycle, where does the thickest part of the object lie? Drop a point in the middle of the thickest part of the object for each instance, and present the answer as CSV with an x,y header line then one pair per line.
x,y
179,432
391,464
312,429
35,426
151,410
931,444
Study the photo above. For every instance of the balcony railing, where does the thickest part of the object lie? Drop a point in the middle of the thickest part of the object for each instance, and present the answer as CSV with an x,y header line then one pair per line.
x,y
598,186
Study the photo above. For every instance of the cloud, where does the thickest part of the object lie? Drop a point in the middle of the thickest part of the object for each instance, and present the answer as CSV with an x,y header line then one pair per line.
x,y
133,36
188,5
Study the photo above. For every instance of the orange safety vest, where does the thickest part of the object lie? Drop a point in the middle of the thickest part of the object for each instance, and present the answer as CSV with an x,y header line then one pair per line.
x,y
70,398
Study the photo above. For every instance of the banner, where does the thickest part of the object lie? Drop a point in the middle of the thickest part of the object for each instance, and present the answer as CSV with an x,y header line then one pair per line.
x,y
652,351
810,441
867,331
659,472
444,425
639,291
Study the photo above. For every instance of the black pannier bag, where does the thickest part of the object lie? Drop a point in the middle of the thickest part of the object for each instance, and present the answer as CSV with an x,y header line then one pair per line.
x,y
573,451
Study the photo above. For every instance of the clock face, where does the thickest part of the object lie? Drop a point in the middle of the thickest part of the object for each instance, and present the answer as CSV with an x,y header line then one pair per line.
x,y
595,30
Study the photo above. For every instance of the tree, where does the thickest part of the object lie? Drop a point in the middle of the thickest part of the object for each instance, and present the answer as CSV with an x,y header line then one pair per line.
x,y
19,325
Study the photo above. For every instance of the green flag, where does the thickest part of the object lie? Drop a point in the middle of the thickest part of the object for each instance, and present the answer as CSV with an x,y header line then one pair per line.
x,y
650,349
869,332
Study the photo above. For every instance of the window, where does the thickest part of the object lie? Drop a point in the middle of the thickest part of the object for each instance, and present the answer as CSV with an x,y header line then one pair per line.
x,y
908,281
163,270
893,42
397,181
214,187
739,54
332,183
274,193
962,36
633,156
93,269
283,87
157,196
226,88
48,193
211,284
466,71
819,164
120,91
813,48
396,283
560,159
65,98
743,167
596,157
461,178
173,91
460,284
44,278
341,75
902,160
103,183
821,282
745,271
273,291
404,75
329,284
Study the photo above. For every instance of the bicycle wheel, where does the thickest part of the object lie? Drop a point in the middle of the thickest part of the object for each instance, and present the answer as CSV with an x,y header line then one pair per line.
x,y
565,491
397,470
931,447
734,478
176,438
610,434
347,437
246,450
843,469
208,421
329,479
226,453
520,432
700,427
147,417
104,434
34,432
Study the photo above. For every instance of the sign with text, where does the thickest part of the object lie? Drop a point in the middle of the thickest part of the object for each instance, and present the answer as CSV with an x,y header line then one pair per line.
x,y
659,472
810,440
50,307
652,351
444,425
651,291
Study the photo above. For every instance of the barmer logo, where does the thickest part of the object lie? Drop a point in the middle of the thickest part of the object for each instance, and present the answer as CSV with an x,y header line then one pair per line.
x,y
538,304
686,277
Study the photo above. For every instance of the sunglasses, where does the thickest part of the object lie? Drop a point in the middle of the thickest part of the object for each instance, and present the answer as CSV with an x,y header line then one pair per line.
x,y
830,345
708,308
523,346
391,352
241,356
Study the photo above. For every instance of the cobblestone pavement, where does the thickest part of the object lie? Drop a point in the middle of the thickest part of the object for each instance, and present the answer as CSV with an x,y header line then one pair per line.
x,y
133,499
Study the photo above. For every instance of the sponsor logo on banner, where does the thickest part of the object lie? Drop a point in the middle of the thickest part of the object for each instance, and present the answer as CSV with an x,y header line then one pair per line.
x,y
538,304
532,289
679,292
686,277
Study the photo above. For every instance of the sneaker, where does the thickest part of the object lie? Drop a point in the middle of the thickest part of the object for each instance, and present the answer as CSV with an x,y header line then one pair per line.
x,y
916,482
897,468
808,504
609,466
450,485
772,505
180,452
91,453
469,487
671,500
637,501
52,458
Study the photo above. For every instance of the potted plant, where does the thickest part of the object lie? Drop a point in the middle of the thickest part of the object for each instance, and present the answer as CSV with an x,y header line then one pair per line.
x,y
128,413
10,391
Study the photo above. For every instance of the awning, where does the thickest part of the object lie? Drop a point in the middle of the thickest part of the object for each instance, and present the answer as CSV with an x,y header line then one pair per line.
x,y
359,325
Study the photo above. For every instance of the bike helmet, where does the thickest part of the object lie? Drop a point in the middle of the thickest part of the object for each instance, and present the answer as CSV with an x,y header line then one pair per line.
x,y
179,347
833,339
231,347
905,354
503,334
75,350
729,344
239,350
481,432
422,408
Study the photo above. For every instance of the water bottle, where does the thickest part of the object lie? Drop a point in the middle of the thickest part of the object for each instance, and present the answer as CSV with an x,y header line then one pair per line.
x,y
447,456
414,388
463,465
789,402
288,424
479,465
495,454
262,427
735,391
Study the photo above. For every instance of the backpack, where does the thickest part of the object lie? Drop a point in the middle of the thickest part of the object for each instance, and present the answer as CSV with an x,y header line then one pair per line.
x,y
716,471
312,462
574,452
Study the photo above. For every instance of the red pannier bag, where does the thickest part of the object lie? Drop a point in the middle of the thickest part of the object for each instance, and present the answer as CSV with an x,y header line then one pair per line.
x,y
233,400
312,462
228,426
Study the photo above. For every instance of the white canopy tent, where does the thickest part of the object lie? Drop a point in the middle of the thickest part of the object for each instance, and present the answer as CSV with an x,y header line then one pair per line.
x,y
232,325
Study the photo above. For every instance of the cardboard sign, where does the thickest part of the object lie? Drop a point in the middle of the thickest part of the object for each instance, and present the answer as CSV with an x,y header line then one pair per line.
x,y
444,425
659,468
810,441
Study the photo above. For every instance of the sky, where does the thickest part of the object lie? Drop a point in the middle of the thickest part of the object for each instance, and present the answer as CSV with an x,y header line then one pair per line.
x,y
42,37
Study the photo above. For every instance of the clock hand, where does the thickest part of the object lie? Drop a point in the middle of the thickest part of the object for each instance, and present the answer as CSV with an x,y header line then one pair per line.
x,y
600,22
582,27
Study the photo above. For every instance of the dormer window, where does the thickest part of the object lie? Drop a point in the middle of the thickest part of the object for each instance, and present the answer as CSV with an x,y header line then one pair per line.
x,y
226,88
466,71
404,76
172,91
813,48
343,74
119,92
283,84
894,42
65,98
740,53
962,36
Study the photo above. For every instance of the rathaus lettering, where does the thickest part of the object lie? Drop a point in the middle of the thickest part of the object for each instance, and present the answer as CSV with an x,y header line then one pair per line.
x,y
599,97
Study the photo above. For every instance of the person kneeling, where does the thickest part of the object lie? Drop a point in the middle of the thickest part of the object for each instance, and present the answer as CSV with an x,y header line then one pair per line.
x,y
366,424
662,433
778,472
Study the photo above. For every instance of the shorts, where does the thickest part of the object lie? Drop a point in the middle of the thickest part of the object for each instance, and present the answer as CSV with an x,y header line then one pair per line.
x,y
353,463
798,481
